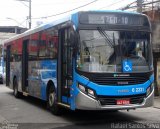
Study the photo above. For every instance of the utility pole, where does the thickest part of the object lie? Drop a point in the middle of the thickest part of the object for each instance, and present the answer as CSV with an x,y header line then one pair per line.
x,y
139,6
152,11
30,14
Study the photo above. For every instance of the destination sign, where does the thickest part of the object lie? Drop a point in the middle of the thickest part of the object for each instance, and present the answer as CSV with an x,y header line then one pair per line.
x,y
114,19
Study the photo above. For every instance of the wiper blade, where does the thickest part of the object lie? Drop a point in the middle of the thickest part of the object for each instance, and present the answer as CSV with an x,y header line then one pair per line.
x,y
104,34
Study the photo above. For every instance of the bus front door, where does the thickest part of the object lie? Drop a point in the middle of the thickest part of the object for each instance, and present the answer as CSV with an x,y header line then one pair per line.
x,y
64,66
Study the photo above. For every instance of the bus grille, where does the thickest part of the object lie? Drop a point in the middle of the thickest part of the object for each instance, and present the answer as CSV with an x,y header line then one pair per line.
x,y
102,80
136,99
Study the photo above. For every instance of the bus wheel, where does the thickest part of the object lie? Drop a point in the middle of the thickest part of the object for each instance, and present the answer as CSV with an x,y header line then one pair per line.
x,y
52,102
16,93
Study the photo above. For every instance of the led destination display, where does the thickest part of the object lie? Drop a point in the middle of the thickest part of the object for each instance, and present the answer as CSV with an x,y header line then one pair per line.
x,y
114,19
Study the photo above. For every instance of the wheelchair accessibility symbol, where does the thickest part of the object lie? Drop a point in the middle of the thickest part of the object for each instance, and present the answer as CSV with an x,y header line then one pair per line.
x,y
127,66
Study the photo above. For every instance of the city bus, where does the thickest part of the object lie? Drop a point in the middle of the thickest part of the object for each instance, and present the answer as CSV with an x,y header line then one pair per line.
x,y
89,60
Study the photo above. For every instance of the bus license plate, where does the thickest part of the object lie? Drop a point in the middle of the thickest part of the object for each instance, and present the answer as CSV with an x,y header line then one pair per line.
x,y
123,101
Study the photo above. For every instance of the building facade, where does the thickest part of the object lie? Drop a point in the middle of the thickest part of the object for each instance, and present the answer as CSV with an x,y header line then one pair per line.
x,y
9,31
154,16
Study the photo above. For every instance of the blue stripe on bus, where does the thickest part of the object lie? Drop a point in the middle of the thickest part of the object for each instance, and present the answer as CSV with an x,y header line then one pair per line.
x,y
45,65
66,100
151,78
48,64
73,93
109,90
74,19
73,90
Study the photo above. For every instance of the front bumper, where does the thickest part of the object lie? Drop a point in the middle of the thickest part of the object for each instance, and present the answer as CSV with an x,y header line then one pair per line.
x,y
84,102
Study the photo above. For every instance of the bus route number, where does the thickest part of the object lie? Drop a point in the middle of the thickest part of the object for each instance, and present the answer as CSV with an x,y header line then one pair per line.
x,y
137,90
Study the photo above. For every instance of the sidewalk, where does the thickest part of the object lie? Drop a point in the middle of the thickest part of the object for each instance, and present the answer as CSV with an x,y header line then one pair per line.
x,y
157,102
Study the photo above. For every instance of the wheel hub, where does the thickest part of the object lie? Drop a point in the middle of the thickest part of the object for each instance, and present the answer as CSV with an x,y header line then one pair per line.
x,y
51,98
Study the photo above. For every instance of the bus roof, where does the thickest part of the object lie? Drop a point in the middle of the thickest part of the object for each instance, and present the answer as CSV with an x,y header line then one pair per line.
x,y
39,28
63,20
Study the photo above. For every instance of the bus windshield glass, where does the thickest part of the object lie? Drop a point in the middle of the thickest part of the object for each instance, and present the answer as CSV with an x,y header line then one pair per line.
x,y
104,51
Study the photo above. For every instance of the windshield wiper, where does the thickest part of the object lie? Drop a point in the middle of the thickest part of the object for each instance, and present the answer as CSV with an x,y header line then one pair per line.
x,y
104,34
111,43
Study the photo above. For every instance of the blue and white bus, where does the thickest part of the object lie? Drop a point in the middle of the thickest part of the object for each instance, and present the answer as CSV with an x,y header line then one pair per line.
x,y
90,60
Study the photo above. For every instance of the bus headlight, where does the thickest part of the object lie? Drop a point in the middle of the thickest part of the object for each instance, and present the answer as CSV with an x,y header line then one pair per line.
x,y
82,88
87,90
150,89
91,92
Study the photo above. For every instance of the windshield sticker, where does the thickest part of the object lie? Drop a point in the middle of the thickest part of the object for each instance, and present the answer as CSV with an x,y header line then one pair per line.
x,y
127,66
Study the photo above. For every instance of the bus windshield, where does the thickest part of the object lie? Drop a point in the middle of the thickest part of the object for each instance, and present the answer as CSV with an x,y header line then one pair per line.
x,y
104,51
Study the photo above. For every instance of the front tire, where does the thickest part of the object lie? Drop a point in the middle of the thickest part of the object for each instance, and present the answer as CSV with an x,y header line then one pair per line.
x,y
52,101
16,93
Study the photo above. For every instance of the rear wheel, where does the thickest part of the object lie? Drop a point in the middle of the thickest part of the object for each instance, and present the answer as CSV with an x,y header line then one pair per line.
x,y
52,101
16,93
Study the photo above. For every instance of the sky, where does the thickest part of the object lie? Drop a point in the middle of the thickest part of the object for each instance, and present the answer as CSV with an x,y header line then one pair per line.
x,y
15,12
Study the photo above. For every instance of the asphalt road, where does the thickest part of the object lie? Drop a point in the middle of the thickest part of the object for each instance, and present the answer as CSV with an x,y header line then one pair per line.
x,y
31,113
